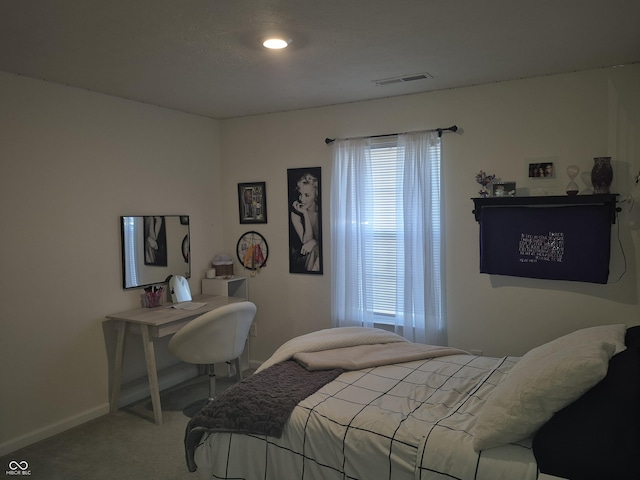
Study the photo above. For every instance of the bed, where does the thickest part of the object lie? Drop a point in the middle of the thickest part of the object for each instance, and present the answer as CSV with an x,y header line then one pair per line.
x,y
366,404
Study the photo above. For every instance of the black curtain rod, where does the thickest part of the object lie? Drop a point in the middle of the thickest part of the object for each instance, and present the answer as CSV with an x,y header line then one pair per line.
x,y
453,128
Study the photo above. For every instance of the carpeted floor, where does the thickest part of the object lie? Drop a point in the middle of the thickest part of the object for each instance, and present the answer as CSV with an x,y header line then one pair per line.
x,y
122,445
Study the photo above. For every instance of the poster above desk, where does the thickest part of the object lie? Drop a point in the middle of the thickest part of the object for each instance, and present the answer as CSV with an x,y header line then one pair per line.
x,y
555,238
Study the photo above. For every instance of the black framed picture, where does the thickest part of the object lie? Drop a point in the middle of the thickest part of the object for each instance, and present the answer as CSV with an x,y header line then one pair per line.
x,y
305,220
252,202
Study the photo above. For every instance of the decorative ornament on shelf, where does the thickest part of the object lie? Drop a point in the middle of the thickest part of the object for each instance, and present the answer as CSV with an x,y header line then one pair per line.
x,y
483,179
572,186
601,174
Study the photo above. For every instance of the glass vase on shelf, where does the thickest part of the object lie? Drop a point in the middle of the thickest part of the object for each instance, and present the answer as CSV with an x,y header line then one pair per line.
x,y
601,174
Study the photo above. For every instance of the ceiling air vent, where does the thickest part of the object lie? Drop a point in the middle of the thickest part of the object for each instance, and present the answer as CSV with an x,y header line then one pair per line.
x,y
402,79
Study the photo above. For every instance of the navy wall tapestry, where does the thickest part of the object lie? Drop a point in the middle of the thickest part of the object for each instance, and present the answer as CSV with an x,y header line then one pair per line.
x,y
557,243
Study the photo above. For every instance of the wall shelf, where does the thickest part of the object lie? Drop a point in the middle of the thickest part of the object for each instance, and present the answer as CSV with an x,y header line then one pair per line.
x,y
609,199
547,237
228,287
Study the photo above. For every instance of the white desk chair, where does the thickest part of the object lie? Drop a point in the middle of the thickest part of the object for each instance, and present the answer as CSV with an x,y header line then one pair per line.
x,y
214,337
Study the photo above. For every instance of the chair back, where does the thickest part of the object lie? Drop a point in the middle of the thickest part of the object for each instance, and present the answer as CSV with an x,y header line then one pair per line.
x,y
215,336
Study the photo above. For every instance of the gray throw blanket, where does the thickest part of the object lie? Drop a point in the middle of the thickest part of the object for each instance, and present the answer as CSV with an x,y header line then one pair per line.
x,y
260,404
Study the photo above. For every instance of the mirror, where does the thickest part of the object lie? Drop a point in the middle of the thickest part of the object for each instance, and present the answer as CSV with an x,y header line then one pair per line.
x,y
154,248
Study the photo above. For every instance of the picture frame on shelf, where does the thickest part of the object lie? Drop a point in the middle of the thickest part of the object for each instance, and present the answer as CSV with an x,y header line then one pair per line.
x,y
541,170
540,176
503,189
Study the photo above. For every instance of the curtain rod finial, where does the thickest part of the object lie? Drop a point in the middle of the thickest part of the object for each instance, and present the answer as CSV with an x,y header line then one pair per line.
x,y
329,140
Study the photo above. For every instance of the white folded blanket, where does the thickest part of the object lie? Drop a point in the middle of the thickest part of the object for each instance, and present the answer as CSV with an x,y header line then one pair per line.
x,y
367,356
341,337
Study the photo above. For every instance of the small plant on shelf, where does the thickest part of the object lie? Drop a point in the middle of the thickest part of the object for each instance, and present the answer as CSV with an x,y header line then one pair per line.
x,y
484,179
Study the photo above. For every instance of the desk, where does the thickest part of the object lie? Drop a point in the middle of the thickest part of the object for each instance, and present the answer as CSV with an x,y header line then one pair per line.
x,y
153,323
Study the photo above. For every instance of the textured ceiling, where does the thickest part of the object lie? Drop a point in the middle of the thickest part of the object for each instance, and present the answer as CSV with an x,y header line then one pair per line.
x,y
203,56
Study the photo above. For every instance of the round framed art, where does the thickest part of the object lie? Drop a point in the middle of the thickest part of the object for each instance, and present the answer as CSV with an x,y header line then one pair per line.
x,y
252,250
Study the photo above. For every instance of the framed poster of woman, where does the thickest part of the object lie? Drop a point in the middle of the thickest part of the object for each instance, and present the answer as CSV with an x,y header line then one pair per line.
x,y
305,220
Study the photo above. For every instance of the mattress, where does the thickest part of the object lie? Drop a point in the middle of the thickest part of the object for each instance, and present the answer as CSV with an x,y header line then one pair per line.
x,y
404,421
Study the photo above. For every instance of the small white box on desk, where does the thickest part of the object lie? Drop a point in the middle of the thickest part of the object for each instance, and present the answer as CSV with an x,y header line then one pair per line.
x,y
227,287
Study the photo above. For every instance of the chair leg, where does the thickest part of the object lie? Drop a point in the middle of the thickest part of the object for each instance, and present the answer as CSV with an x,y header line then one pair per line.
x,y
238,369
236,364
194,407
212,382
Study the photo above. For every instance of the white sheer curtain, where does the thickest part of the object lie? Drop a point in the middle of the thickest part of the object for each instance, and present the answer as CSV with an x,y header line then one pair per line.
x,y
418,290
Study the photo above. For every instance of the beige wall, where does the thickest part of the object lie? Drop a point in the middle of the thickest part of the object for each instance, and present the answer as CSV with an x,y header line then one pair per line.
x,y
74,161
573,117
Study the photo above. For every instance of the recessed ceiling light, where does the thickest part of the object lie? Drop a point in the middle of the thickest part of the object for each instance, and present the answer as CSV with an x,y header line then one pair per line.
x,y
276,43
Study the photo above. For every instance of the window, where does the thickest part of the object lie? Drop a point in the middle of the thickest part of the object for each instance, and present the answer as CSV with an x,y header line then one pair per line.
x,y
386,204
386,235
132,232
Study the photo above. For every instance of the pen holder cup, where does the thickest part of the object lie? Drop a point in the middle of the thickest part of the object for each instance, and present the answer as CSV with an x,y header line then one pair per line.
x,y
152,299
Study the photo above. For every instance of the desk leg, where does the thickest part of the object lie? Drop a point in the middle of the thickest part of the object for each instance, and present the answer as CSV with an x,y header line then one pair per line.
x,y
121,328
150,357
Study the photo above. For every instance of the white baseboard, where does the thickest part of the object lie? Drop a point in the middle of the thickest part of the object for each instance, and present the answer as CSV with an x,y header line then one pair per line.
x,y
53,429
131,392
255,364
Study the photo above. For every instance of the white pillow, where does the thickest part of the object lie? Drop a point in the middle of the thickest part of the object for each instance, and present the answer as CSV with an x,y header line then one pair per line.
x,y
613,334
545,380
